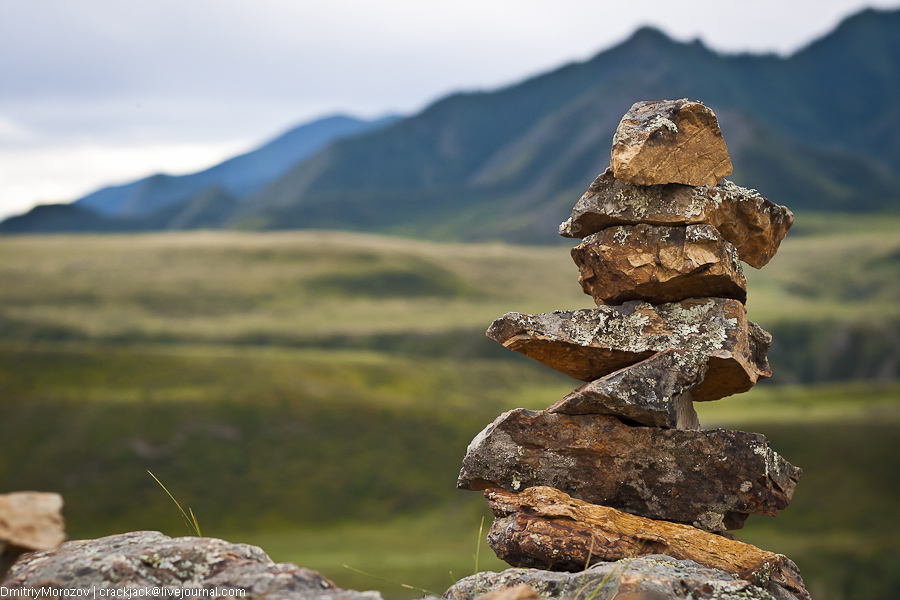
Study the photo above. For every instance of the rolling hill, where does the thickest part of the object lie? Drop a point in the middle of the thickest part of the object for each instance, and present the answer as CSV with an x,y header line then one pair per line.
x,y
818,130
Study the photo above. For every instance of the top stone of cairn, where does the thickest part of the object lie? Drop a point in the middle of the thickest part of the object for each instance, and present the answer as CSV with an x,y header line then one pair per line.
x,y
669,141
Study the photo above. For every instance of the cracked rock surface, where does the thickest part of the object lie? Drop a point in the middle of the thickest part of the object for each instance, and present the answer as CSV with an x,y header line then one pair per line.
x,y
658,264
591,343
147,559
669,141
654,577
544,528
710,479
654,392
753,224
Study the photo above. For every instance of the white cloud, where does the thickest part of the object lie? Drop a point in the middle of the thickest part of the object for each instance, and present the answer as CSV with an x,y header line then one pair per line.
x,y
61,174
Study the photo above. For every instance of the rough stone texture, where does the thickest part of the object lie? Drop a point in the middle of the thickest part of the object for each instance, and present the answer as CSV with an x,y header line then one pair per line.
x,y
145,559
753,224
709,479
29,521
669,141
592,343
544,528
658,264
653,392
519,592
654,577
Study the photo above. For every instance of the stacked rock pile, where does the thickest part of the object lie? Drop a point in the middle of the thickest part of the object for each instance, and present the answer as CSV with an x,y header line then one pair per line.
x,y
620,467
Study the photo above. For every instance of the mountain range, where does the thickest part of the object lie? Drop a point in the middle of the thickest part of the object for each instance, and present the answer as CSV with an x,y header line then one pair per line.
x,y
817,130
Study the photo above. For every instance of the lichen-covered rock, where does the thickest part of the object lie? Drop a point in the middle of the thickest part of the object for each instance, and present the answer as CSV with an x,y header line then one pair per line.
x,y
29,521
710,479
658,264
753,224
669,141
654,392
591,343
542,527
654,577
148,559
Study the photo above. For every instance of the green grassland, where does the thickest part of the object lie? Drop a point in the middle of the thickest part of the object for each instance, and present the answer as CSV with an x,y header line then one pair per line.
x,y
314,393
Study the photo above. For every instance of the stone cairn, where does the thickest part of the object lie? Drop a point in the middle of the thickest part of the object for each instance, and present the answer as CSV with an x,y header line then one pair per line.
x,y
620,468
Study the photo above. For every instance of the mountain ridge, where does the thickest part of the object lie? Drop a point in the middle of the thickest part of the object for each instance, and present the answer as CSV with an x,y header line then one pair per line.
x,y
816,130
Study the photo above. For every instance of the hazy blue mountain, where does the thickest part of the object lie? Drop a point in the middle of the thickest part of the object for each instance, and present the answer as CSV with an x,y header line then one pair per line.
x,y
238,176
816,130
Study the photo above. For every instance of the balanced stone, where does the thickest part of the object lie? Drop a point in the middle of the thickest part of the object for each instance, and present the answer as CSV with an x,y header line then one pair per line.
x,y
654,392
709,479
658,264
591,343
544,528
669,141
753,224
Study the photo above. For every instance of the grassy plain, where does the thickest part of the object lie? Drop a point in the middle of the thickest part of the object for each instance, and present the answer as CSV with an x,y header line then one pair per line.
x,y
314,392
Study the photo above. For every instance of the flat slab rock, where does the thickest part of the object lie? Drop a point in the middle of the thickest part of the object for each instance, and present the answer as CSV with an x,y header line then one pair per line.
x,y
145,559
658,264
753,224
655,392
591,343
709,479
654,577
545,528
669,141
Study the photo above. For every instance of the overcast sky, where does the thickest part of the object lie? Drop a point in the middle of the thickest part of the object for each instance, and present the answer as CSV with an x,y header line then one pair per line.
x,y
104,91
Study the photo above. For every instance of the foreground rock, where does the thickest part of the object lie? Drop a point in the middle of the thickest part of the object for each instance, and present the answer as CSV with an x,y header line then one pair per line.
x,y
147,559
669,141
654,392
753,224
653,577
710,479
658,264
544,528
29,521
592,343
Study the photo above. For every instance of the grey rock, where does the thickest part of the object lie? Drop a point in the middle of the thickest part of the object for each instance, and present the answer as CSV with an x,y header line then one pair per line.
x,y
654,577
654,392
149,559
709,479
591,343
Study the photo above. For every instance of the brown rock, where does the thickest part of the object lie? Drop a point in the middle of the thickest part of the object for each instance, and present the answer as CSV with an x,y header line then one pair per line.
x,y
519,592
592,343
545,528
654,577
658,264
29,521
653,392
753,224
669,141
709,479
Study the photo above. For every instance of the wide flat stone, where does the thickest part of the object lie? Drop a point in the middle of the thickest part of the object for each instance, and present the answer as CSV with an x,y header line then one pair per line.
x,y
709,479
655,392
658,264
591,343
753,224
544,528
669,141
